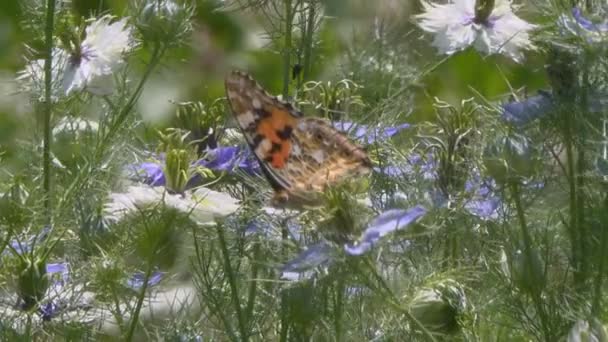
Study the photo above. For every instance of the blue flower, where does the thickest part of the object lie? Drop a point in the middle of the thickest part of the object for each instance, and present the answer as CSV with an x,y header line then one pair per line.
x,y
150,173
367,134
387,222
220,159
522,112
136,281
230,158
316,255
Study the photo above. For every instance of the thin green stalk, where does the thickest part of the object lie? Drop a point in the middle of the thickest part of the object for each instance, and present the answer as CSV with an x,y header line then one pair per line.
x,y
234,290
140,302
253,284
392,301
596,306
48,109
126,110
514,186
310,27
287,48
122,116
339,308
573,225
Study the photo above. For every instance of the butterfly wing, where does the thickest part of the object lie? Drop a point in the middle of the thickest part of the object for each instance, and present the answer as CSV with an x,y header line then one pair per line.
x,y
299,156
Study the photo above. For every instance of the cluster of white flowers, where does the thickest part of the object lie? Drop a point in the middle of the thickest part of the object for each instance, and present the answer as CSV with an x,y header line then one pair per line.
x,y
458,25
90,67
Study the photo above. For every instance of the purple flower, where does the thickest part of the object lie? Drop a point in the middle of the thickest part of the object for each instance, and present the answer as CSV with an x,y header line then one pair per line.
x,y
221,159
369,135
150,173
316,255
137,279
229,159
385,223
520,113
63,269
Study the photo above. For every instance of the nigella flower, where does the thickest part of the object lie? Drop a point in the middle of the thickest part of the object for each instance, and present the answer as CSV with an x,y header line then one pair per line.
x,y
522,112
386,223
368,134
323,254
98,56
202,205
314,256
220,159
487,25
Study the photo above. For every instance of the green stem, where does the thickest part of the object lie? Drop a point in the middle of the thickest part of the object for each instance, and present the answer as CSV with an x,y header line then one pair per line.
x,y
287,48
253,285
234,290
77,183
527,238
393,302
573,226
310,27
339,308
48,108
596,307
140,302
126,110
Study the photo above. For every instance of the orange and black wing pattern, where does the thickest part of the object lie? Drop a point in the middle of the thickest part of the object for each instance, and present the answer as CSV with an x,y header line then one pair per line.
x,y
300,156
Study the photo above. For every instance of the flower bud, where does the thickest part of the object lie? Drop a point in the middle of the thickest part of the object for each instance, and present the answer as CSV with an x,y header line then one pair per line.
x,y
438,307
164,21
527,271
32,281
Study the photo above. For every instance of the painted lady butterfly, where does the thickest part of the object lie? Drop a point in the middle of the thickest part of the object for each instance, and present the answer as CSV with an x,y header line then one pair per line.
x,y
300,156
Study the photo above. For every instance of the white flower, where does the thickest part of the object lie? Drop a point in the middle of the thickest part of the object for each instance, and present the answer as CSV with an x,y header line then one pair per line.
x,y
31,79
203,205
101,53
456,27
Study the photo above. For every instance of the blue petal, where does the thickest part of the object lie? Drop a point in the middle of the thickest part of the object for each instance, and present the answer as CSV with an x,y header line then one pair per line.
x,y
363,132
150,173
137,279
48,310
586,23
385,223
314,256
62,268
523,112
229,159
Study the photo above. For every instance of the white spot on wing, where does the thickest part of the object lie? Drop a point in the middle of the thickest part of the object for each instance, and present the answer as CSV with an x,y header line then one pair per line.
x,y
256,103
245,119
263,148
318,155
296,150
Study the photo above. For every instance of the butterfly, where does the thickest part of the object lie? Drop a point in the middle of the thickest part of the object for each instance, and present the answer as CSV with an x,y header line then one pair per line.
x,y
300,156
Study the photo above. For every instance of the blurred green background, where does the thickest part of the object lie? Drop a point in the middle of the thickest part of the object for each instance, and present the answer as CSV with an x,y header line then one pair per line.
x,y
353,34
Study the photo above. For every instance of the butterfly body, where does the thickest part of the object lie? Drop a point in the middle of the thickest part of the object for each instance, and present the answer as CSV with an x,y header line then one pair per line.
x,y
300,156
